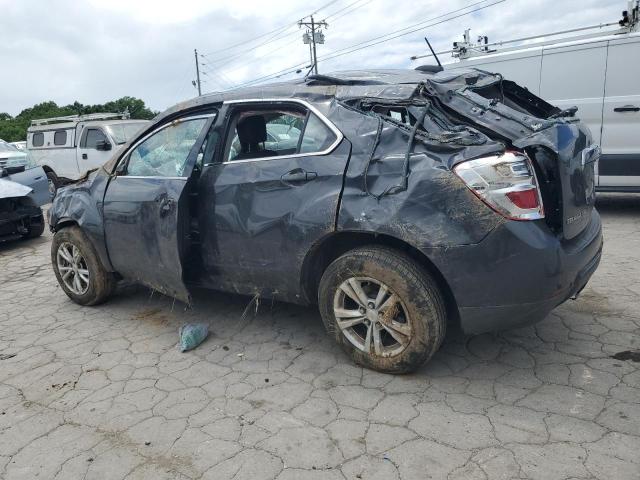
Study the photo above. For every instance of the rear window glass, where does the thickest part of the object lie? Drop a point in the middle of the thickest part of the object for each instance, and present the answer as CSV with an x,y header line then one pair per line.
x,y
60,137
38,139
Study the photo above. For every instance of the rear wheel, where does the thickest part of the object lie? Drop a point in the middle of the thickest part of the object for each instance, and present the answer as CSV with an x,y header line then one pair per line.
x,y
383,310
78,268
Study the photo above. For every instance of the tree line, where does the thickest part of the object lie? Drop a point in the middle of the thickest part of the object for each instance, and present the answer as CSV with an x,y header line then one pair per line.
x,y
14,129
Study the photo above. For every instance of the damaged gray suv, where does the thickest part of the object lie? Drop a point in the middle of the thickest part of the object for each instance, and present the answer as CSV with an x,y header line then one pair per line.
x,y
399,202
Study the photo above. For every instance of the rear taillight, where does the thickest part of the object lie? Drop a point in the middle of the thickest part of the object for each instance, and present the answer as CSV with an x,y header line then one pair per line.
x,y
506,183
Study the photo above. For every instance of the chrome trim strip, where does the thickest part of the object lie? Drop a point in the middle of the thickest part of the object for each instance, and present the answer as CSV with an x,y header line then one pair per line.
x,y
152,176
314,110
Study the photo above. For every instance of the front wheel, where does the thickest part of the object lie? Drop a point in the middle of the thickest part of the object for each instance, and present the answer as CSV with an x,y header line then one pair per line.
x,y
78,268
53,183
387,313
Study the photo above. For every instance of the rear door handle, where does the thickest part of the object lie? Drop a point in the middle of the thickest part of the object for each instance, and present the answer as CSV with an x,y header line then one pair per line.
x,y
84,156
298,175
627,108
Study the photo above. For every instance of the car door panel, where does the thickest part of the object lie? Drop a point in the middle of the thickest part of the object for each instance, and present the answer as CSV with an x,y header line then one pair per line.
x,y
89,156
142,230
560,68
261,218
619,164
145,215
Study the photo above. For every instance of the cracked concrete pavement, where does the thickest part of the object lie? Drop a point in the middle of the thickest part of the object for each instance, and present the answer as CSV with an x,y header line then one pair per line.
x,y
103,393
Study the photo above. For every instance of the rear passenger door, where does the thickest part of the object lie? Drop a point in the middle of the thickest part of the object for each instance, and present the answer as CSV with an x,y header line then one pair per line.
x,y
264,206
619,164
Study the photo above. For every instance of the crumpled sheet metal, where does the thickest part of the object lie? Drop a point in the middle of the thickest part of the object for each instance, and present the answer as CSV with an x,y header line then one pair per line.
x,y
462,220
81,203
9,189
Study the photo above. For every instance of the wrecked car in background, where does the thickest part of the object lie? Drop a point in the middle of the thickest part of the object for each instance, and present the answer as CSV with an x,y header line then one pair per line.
x,y
409,200
23,190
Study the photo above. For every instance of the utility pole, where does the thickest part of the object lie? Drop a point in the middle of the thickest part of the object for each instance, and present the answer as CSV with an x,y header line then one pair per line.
x,y
195,53
312,36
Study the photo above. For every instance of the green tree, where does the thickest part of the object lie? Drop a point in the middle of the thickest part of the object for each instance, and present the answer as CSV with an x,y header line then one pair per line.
x,y
14,129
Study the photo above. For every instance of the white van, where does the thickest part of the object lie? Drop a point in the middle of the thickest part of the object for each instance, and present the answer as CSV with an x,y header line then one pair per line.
x,y
599,74
67,147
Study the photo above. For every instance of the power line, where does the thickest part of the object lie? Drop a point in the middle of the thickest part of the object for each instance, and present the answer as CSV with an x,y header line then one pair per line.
x,y
279,73
345,8
381,39
231,62
281,28
279,35
245,42
367,43
273,38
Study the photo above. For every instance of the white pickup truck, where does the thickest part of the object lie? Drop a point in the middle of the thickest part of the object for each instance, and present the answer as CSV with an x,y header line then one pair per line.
x,y
67,147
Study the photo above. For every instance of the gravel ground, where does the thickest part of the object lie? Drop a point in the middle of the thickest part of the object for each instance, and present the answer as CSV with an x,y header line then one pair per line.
x,y
103,393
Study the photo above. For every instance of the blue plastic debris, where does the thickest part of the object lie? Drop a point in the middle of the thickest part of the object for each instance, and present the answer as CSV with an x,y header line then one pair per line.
x,y
192,335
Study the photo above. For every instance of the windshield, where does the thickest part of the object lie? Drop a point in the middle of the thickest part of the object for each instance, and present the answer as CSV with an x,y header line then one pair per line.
x,y
123,132
5,147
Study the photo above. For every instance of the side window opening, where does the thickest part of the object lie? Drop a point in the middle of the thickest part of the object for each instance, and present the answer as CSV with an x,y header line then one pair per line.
x,y
271,133
165,153
317,136
60,137
262,133
399,114
92,137
38,139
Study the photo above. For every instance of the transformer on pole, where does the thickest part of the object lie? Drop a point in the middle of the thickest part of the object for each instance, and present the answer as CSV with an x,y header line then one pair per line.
x,y
311,37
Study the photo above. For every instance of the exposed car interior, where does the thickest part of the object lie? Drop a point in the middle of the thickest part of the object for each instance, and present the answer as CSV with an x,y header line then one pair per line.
x,y
275,132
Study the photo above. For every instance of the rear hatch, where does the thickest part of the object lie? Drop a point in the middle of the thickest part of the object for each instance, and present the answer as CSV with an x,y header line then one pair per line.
x,y
566,170
558,143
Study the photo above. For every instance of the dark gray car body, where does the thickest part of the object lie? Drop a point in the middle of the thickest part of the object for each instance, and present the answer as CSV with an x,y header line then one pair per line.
x,y
257,233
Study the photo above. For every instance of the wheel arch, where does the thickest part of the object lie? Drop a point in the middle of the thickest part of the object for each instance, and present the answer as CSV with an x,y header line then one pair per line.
x,y
336,244
64,223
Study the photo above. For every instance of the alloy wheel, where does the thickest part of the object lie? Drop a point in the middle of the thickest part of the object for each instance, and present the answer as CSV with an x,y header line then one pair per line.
x,y
73,268
372,317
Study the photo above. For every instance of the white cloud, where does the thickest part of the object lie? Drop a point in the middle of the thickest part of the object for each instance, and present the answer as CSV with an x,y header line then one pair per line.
x,y
99,50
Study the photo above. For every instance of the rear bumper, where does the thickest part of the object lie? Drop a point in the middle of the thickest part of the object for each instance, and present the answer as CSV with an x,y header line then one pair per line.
x,y
518,274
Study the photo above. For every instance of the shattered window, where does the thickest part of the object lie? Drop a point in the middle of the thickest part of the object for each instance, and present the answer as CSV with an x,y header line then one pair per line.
x,y
165,153
123,132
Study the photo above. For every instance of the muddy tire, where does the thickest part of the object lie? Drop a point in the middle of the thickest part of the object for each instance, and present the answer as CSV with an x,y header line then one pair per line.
x,y
54,183
78,268
386,312
35,229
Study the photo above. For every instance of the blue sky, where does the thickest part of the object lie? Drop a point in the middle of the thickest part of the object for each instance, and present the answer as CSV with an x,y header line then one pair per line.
x,y
98,50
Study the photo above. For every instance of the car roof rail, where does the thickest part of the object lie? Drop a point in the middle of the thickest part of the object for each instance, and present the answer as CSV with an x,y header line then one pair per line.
x,y
82,118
